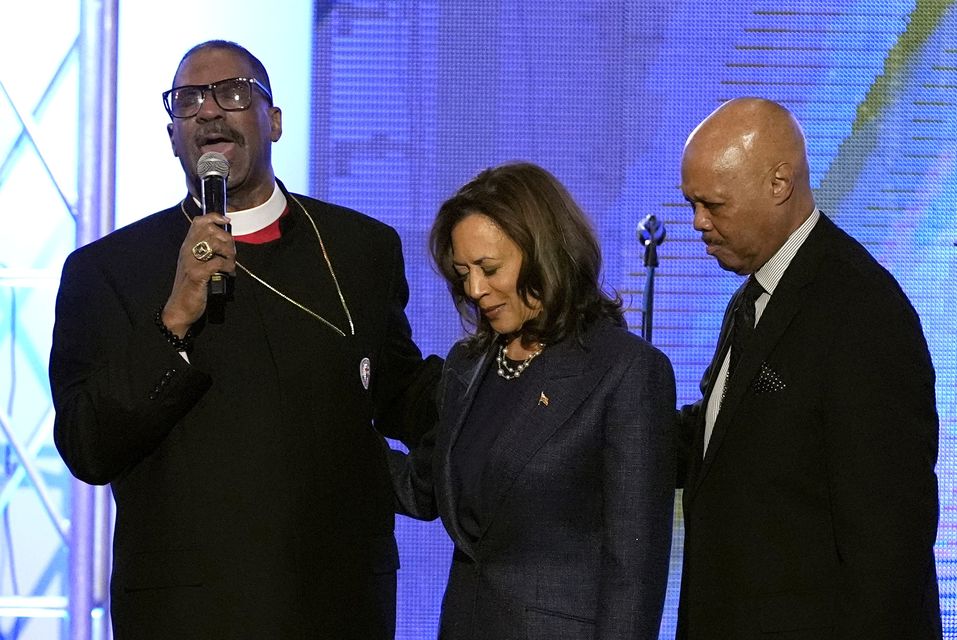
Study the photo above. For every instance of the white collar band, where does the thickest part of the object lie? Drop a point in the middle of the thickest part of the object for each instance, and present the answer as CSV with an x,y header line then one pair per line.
x,y
259,217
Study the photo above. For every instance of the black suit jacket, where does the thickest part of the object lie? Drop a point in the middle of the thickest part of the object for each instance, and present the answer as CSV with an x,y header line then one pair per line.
x,y
252,496
578,544
814,512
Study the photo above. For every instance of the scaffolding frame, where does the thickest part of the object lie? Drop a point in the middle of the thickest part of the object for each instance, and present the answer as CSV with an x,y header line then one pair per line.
x,y
86,534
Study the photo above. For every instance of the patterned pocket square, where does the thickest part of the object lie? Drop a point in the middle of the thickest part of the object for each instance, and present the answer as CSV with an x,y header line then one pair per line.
x,y
768,381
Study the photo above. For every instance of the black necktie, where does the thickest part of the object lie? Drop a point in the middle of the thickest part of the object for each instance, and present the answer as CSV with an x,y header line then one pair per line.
x,y
743,323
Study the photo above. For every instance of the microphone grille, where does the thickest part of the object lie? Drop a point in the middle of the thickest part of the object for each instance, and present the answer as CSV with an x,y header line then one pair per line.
x,y
212,163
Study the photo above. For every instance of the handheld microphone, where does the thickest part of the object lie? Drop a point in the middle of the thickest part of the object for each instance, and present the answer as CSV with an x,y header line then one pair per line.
x,y
213,169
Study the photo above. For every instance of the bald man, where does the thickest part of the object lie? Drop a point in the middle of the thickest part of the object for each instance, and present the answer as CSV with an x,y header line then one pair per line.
x,y
810,497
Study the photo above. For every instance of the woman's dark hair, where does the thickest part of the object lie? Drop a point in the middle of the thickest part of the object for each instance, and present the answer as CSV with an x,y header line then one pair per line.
x,y
561,259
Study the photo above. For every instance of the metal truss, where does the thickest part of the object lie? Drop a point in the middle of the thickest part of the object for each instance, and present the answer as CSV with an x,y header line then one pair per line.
x,y
86,532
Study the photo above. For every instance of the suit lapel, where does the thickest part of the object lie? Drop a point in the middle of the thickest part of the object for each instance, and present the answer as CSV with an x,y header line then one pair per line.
x,y
782,307
570,376
707,388
464,375
724,343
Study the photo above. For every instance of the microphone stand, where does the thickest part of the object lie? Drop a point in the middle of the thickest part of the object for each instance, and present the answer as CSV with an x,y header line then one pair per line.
x,y
651,233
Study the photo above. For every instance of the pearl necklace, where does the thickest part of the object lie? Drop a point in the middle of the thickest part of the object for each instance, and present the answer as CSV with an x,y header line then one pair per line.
x,y
505,370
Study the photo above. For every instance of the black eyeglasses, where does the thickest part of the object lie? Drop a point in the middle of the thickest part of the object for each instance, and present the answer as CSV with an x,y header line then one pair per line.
x,y
233,94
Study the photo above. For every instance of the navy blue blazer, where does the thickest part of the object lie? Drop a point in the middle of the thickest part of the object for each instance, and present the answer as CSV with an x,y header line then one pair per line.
x,y
578,542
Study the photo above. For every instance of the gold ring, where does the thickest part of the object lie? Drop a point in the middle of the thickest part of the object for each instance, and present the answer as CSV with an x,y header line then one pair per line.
x,y
202,251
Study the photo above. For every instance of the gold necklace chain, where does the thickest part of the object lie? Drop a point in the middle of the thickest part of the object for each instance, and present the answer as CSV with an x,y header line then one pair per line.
x,y
325,255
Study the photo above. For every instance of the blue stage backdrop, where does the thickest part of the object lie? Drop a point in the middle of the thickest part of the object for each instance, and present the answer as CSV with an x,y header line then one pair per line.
x,y
411,99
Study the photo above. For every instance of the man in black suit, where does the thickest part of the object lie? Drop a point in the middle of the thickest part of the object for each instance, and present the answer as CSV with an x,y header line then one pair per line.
x,y
810,499
252,494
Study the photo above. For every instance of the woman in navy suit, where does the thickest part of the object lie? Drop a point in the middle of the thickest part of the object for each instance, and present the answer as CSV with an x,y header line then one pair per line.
x,y
552,466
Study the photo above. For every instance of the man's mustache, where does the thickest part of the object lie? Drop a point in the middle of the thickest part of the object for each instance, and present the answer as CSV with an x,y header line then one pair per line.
x,y
218,131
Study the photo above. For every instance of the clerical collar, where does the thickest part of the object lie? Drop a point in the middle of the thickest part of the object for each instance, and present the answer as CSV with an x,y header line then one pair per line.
x,y
257,218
